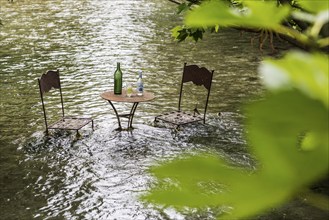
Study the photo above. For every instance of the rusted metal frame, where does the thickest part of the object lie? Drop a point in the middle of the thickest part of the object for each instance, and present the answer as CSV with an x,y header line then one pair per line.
x,y
130,116
77,130
116,113
197,75
66,128
63,119
197,83
156,118
172,122
205,109
60,91
132,113
49,80
184,123
124,115
190,73
92,123
181,89
43,106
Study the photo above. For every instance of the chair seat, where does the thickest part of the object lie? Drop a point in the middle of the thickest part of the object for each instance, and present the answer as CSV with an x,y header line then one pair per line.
x,y
179,117
70,123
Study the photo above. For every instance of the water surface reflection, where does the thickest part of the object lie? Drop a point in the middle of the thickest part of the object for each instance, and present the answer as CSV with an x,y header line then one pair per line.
x,y
101,175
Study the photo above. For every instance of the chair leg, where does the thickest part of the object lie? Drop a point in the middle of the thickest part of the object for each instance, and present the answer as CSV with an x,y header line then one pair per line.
x,y
78,134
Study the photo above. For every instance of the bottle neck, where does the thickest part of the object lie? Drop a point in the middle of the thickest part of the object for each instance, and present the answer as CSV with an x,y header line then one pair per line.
x,y
118,65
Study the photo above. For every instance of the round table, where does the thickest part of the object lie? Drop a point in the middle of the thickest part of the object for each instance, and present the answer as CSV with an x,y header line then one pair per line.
x,y
111,97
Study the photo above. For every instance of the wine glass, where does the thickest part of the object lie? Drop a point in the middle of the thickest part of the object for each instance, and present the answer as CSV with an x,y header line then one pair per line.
x,y
129,90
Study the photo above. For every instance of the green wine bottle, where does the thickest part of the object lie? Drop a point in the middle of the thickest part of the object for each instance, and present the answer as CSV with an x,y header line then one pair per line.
x,y
118,80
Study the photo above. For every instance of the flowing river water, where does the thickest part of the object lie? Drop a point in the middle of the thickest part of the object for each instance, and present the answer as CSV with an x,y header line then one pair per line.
x,y
102,174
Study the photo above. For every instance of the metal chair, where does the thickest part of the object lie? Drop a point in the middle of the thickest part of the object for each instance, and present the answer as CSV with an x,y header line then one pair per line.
x,y
50,80
199,76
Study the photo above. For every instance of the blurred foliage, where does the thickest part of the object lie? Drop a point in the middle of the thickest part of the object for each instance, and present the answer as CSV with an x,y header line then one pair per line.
x,y
251,16
287,130
299,21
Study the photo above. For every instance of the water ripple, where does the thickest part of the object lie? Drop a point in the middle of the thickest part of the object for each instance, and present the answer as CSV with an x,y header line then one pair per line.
x,y
102,174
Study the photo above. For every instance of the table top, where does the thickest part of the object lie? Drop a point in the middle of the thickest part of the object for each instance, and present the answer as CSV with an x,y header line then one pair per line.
x,y
110,96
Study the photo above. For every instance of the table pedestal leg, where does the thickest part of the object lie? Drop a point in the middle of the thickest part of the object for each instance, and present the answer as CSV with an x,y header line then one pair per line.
x,y
116,113
130,116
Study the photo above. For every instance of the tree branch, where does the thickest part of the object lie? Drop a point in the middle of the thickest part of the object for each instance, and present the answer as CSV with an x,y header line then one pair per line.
x,y
176,2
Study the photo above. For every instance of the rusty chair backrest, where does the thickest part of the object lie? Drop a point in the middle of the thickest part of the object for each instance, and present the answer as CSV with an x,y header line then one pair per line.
x,y
200,76
50,80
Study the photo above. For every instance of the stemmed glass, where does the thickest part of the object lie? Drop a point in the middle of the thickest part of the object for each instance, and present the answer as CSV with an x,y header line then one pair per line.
x,y
129,89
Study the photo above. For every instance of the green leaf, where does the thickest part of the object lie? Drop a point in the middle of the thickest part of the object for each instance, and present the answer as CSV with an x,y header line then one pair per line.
x,y
275,127
308,73
256,14
197,34
175,31
203,181
216,28
181,33
314,6
288,132
311,141
182,7
199,179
